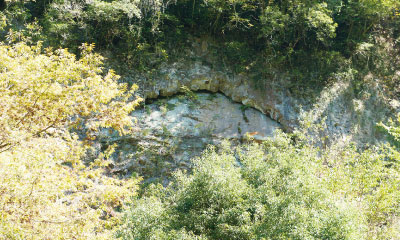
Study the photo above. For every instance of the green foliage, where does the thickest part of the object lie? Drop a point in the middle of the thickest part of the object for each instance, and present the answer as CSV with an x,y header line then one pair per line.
x,y
372,179
279,190
298,23
47,192
393,129
43,91
125,26
68,24
189,93
357,18
3,21
308,40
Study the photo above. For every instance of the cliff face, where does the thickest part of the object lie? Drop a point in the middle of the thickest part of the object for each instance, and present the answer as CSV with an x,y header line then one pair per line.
x,y
344,112
172,131
215,104
196,77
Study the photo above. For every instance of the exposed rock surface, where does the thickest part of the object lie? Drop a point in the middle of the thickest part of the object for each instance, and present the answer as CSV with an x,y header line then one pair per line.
x,y
347,115
174,130
196,76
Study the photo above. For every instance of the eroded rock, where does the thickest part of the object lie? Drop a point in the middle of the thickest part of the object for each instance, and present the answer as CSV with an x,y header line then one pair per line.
x,y
196,76
171,131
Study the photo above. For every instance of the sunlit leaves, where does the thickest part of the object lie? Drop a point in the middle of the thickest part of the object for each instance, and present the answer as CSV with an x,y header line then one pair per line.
x,y
273,191
46,189
42,91
46,192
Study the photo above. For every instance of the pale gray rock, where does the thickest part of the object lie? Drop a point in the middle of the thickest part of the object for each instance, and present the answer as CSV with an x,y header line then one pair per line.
x,y
171,131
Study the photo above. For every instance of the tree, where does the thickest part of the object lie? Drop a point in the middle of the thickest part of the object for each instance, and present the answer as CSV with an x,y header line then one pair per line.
x,y
54,89
47,190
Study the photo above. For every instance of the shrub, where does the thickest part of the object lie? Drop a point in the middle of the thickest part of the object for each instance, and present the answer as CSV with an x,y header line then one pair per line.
x,y
272,191
48,193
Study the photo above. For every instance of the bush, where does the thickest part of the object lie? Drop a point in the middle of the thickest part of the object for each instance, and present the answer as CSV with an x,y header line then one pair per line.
x,y
48,193
122,26
274,191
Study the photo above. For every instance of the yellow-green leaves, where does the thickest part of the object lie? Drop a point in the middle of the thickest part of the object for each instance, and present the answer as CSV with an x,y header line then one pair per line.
x,y
46,190
393,129
43,91
47,193
3,21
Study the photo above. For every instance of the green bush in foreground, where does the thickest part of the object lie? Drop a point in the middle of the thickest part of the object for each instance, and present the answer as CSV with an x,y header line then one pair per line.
x,y
279,190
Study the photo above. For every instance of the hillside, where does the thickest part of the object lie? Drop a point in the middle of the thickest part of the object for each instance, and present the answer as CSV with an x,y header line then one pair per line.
x,y
199,119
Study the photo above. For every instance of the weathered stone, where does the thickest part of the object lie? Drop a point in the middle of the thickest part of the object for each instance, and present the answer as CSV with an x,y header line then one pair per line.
x,y
196,77
346,117
175,130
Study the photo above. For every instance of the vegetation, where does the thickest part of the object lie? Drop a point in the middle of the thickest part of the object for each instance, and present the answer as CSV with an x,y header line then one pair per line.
x,y
394,130
308,40
57,94
47,192
277,190
43,91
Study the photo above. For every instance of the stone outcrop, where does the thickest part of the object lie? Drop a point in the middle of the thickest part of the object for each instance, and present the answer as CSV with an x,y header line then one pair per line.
x,y
197,77
174,130
171,131
345,115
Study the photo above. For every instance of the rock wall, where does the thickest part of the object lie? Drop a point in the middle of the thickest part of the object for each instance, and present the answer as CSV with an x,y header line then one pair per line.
x,y
196,76
172,131
345,113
